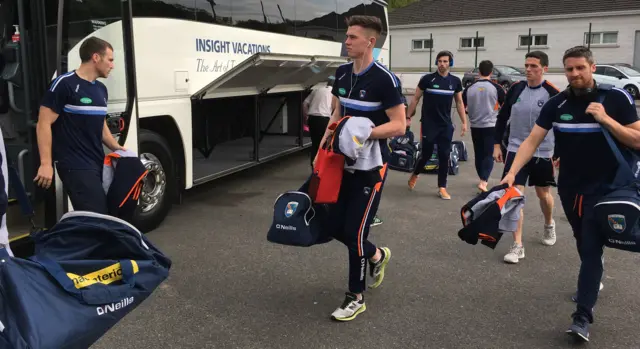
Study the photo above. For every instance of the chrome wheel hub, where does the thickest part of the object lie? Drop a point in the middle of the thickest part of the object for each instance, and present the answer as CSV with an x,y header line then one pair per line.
x,y
155,182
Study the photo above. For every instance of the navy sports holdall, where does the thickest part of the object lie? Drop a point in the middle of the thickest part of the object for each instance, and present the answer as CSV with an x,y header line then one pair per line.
x,y
88,272
297,221
618,211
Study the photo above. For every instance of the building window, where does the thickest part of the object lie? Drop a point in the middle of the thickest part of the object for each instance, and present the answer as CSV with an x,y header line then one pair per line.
x,y
422,44
471,42
533,40
601,38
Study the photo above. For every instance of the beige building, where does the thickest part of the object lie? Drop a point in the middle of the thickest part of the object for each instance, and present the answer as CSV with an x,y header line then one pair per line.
x,y
420,30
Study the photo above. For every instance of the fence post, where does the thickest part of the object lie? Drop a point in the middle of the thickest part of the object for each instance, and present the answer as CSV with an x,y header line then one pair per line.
x,y
430,51
390,45
475,43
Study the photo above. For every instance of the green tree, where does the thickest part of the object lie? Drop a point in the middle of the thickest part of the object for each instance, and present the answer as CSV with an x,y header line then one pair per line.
x,y
395,4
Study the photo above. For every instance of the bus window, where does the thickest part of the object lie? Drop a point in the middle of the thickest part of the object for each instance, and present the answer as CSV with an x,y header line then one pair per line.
x,y
215,12
178,9
100,18
373,9
346,9
317,19
280,16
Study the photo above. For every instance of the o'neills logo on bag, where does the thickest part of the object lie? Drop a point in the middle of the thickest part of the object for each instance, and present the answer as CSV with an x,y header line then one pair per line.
x,y
621,242
114,306
285,227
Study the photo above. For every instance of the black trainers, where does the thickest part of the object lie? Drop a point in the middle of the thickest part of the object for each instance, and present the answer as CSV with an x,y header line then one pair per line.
x,y
579,329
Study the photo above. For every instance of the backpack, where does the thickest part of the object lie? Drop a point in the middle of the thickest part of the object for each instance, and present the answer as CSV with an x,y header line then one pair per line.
x,y
404,152
454,158
433,163
462,150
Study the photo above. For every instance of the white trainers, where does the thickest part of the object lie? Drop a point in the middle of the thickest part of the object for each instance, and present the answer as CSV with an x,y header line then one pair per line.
x,y
516,253
549,235
349,309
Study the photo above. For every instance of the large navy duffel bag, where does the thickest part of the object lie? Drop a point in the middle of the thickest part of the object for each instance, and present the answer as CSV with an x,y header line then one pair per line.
x,y
87,273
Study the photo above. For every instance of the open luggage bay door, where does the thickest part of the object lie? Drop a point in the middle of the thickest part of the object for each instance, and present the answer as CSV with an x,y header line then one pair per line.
x,y
271,73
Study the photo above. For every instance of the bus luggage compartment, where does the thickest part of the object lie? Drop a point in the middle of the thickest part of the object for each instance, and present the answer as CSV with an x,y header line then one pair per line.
x,y
253,112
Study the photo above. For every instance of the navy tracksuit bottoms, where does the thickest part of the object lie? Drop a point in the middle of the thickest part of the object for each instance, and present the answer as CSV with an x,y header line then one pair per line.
x,y
483,141
590,242
84,188
351,217
430,137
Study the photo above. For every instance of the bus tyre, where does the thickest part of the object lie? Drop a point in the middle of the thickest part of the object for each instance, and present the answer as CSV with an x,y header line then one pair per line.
x,y
155,198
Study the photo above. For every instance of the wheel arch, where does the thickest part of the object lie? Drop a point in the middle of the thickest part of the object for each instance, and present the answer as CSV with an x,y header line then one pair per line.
x,y
165,126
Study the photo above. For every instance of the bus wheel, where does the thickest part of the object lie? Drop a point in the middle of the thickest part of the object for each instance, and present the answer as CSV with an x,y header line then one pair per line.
x,y
155,198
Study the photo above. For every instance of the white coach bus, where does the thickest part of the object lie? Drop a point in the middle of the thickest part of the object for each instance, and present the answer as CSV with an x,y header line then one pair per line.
x,y
201,88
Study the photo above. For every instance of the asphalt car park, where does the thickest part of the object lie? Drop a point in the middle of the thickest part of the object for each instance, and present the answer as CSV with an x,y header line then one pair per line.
x,y
230,288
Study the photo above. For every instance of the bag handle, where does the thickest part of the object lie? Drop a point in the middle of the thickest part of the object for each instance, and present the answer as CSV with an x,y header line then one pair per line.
x,y
624,172
99,294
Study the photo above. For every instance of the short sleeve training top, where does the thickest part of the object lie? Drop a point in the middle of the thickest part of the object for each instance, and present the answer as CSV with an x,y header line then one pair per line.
x,y
586,161
438,92
77,133
367,94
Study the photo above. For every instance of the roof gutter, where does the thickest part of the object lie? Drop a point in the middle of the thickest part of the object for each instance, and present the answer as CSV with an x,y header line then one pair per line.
x,y
518,19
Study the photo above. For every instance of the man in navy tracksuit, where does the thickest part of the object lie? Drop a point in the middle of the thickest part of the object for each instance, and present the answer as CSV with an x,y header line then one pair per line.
x,y
363,88
439,91
483,99
72,123
587,164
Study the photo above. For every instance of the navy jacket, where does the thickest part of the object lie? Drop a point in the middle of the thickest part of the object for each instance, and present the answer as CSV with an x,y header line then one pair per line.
x,y
122,177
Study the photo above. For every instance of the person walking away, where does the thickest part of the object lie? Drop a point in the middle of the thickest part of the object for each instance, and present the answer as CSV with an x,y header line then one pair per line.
x,y
363,88
440,89
317,109
577,118
482,99
523,103
72,128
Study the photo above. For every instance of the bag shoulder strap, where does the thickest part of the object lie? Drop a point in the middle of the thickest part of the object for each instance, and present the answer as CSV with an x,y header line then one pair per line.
x,y
624,169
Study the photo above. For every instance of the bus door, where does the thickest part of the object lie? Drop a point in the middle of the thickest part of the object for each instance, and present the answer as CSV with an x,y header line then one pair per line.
x,y
50,35
22,83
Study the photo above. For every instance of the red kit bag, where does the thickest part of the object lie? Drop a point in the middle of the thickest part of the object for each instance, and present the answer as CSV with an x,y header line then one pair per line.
x,y
324,187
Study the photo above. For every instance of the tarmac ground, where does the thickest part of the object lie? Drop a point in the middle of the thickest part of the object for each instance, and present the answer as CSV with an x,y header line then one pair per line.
x,y
230,288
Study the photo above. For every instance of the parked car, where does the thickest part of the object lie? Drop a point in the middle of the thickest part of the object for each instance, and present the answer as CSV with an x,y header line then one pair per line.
x,y
503,75
621,76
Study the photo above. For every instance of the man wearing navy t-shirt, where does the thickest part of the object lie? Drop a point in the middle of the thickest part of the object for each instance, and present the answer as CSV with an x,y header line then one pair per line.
x,y
363,88
72,128
439,90
587,164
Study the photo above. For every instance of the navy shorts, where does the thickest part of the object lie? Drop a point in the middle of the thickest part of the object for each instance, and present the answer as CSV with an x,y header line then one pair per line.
x,y
538,171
